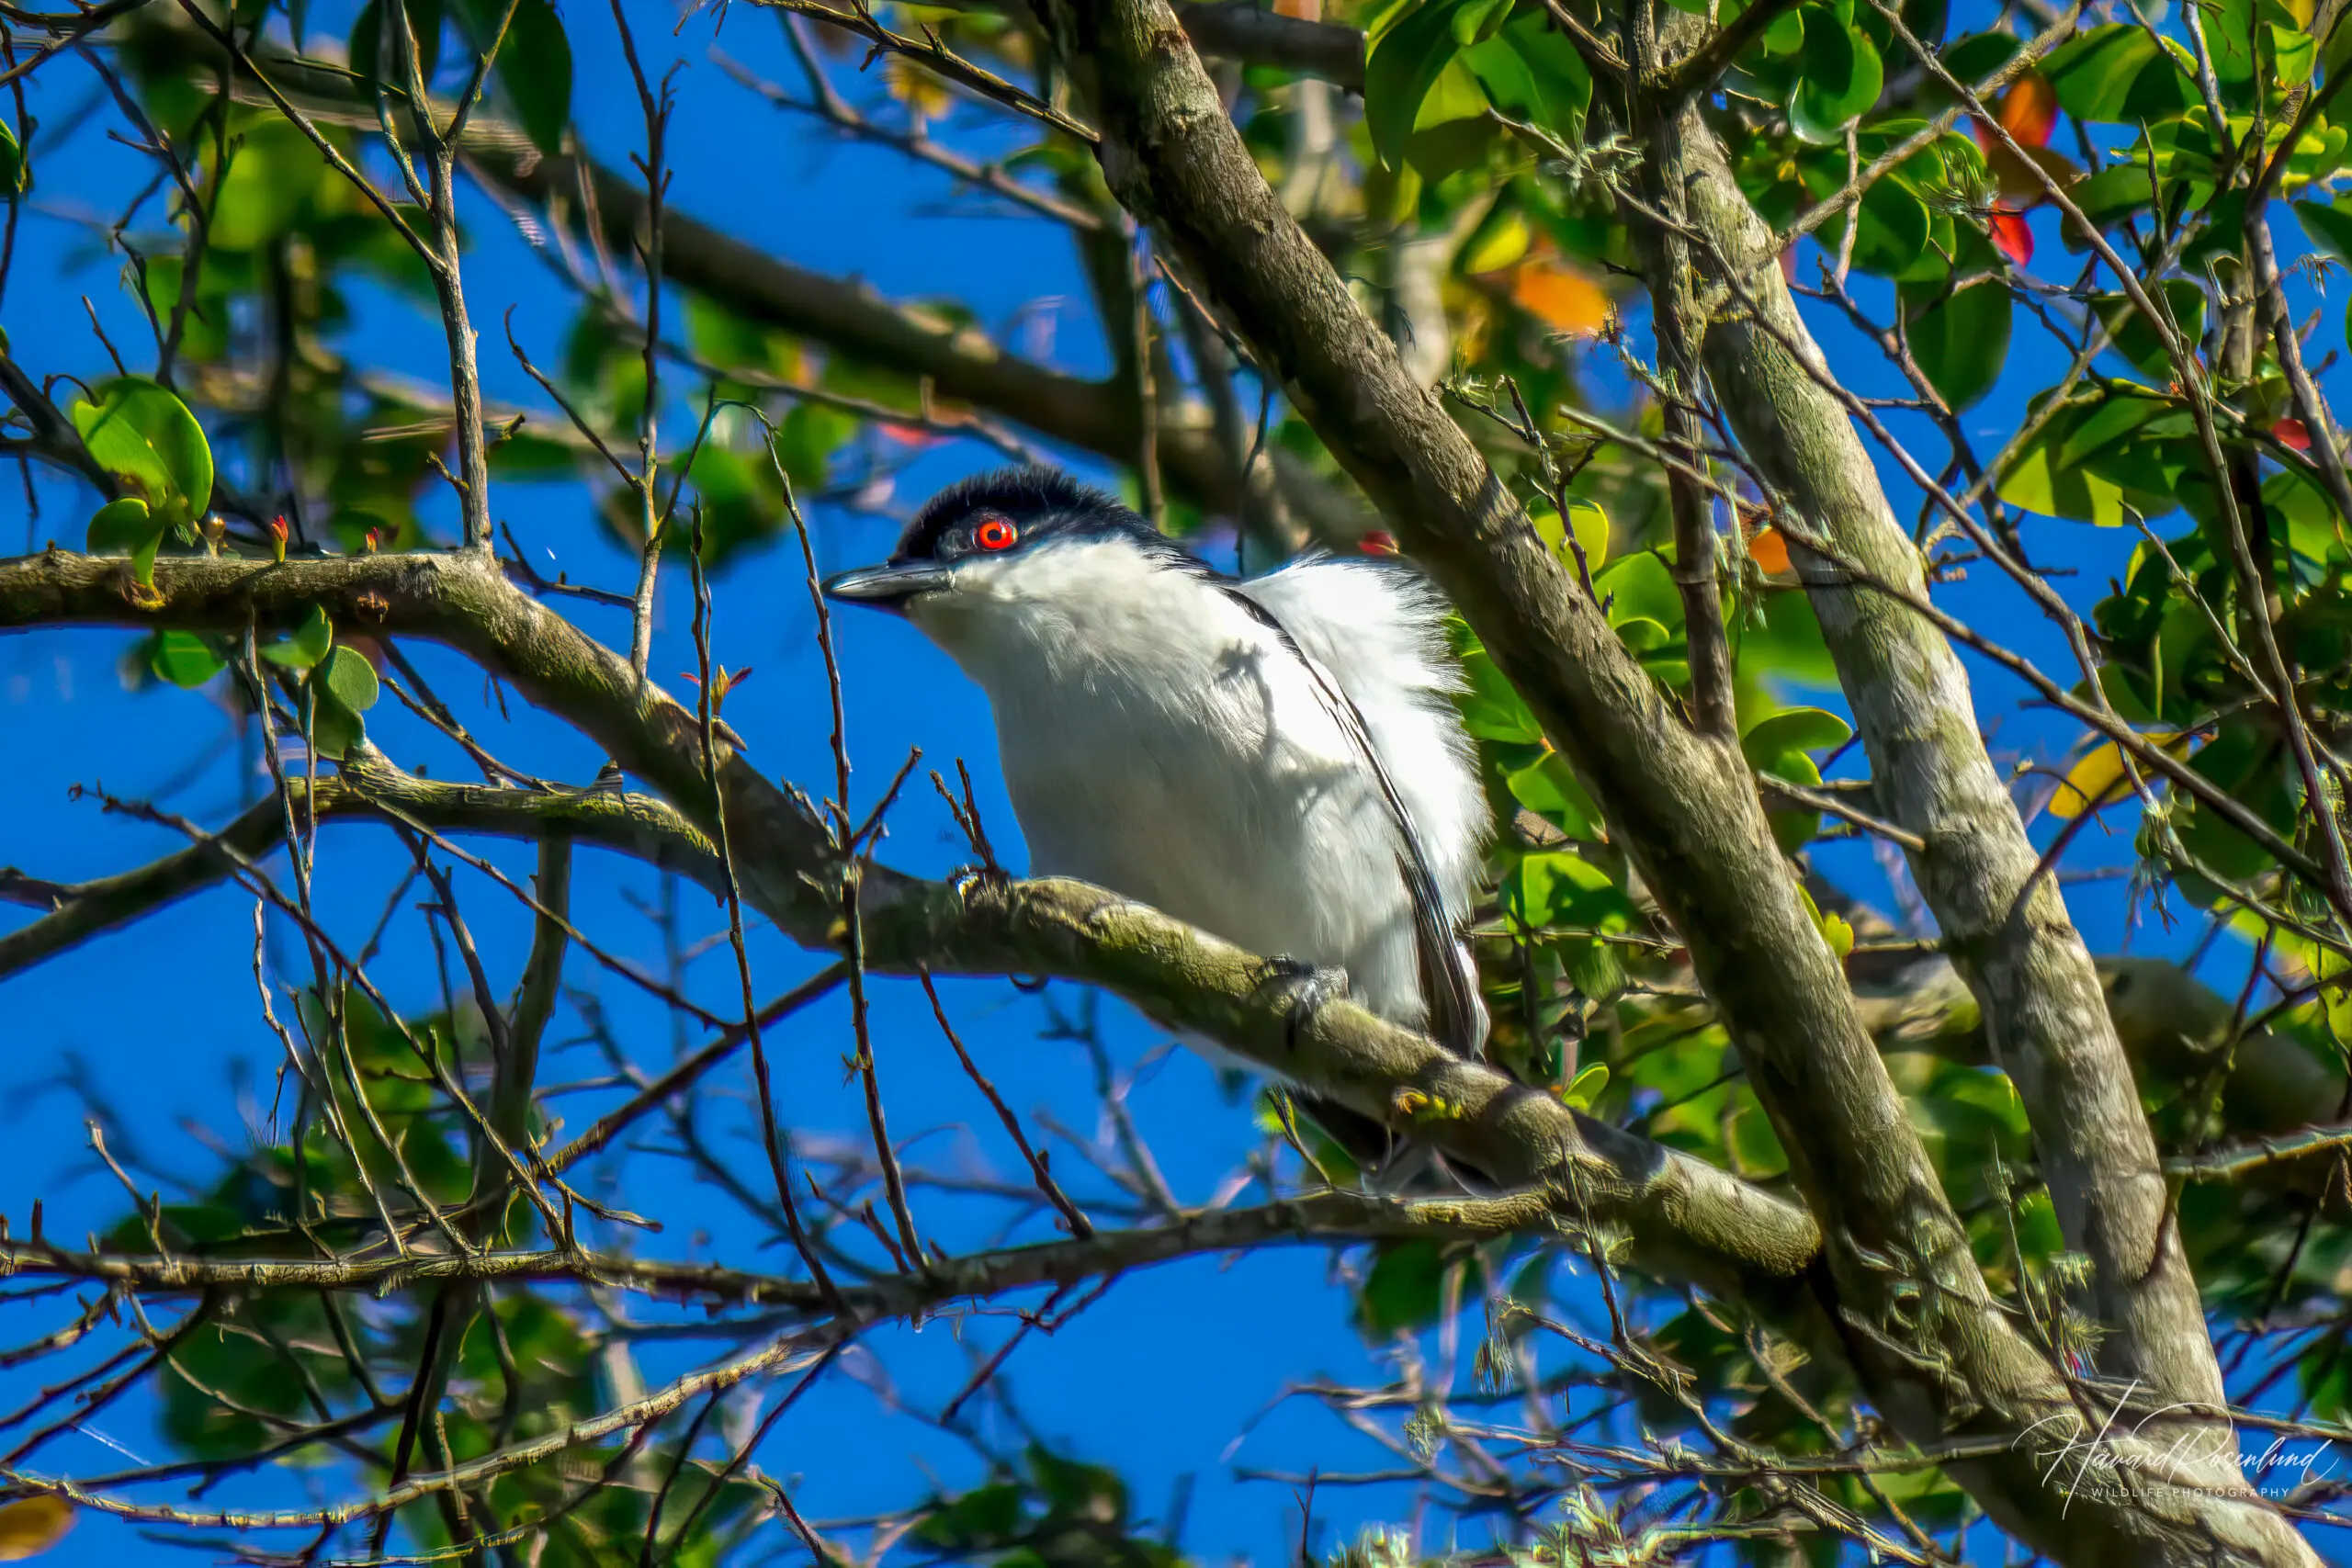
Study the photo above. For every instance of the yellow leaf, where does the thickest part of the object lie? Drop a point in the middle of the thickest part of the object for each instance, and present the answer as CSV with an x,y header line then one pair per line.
x,y
2093,779
1588,1087
1837,933
1591,525
1566,301
1833,929
916,88
32,1527
1497,243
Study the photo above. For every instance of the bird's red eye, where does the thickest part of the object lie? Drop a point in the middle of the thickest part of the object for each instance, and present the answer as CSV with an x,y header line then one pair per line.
x,y
995,533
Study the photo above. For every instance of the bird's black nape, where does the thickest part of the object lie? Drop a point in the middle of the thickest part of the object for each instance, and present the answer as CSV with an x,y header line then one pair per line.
x,y
1040,501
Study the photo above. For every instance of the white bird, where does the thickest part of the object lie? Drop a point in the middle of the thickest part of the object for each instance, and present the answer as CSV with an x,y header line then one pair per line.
x,y
1275,760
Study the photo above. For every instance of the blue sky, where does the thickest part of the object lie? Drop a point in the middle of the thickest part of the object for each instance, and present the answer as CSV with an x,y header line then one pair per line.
x,y
1159,1380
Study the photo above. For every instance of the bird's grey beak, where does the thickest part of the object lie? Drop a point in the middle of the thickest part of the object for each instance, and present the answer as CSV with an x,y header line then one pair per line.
x,y
888,587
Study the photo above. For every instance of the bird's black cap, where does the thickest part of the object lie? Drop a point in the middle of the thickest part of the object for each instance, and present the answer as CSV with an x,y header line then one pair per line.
x,y
1027,506
1041,503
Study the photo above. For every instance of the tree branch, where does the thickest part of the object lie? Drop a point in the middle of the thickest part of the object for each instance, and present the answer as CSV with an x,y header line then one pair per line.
x,y
1687,1220
1686,814
368,788
960,363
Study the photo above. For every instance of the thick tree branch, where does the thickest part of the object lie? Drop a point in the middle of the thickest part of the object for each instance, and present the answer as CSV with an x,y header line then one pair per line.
x,y
1687,1219
1239,29
1680,803
2007,931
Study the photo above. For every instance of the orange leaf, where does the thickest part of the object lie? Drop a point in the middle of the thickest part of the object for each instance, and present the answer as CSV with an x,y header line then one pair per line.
x,y
1566,301
2011,236
2030,109
1769,550
2018,181
32,1527
2295,432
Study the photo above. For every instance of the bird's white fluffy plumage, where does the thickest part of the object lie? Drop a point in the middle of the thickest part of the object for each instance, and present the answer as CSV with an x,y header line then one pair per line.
x,y
1381,633
1160,739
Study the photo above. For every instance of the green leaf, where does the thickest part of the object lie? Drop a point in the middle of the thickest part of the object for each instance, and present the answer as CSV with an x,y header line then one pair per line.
x,y
987,1518
2055,476
1406,62
1834,928
1962,339
1557,888
1588,1087
534,67
1840,76
1548,787
2329,226
2229,38
1531,72
1593,967
13,171
1793,729
138,432
123,524
2293,52
1073,1491
1491,708
375,62
2119,74
273,170
2137,341
307,646
185,659
334,732
1403,1290
1591,525
128,526
806,439
349,680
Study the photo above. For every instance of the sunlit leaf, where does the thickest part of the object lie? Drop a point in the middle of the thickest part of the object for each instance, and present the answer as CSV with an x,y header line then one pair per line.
x,y
1548,787
2096,779
145,437
307,646
185,659
33,1525
350,680
1793,729
1588,1087
1556,887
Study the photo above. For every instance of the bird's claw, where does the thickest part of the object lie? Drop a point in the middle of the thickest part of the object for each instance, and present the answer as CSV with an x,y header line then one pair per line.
x,y
1310,988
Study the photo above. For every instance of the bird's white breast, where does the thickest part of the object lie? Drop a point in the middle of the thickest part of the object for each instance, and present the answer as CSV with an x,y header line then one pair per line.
x,y
1161,740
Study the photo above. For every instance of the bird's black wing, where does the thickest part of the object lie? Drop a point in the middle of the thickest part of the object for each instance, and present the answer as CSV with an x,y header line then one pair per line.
x,y
1449,980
